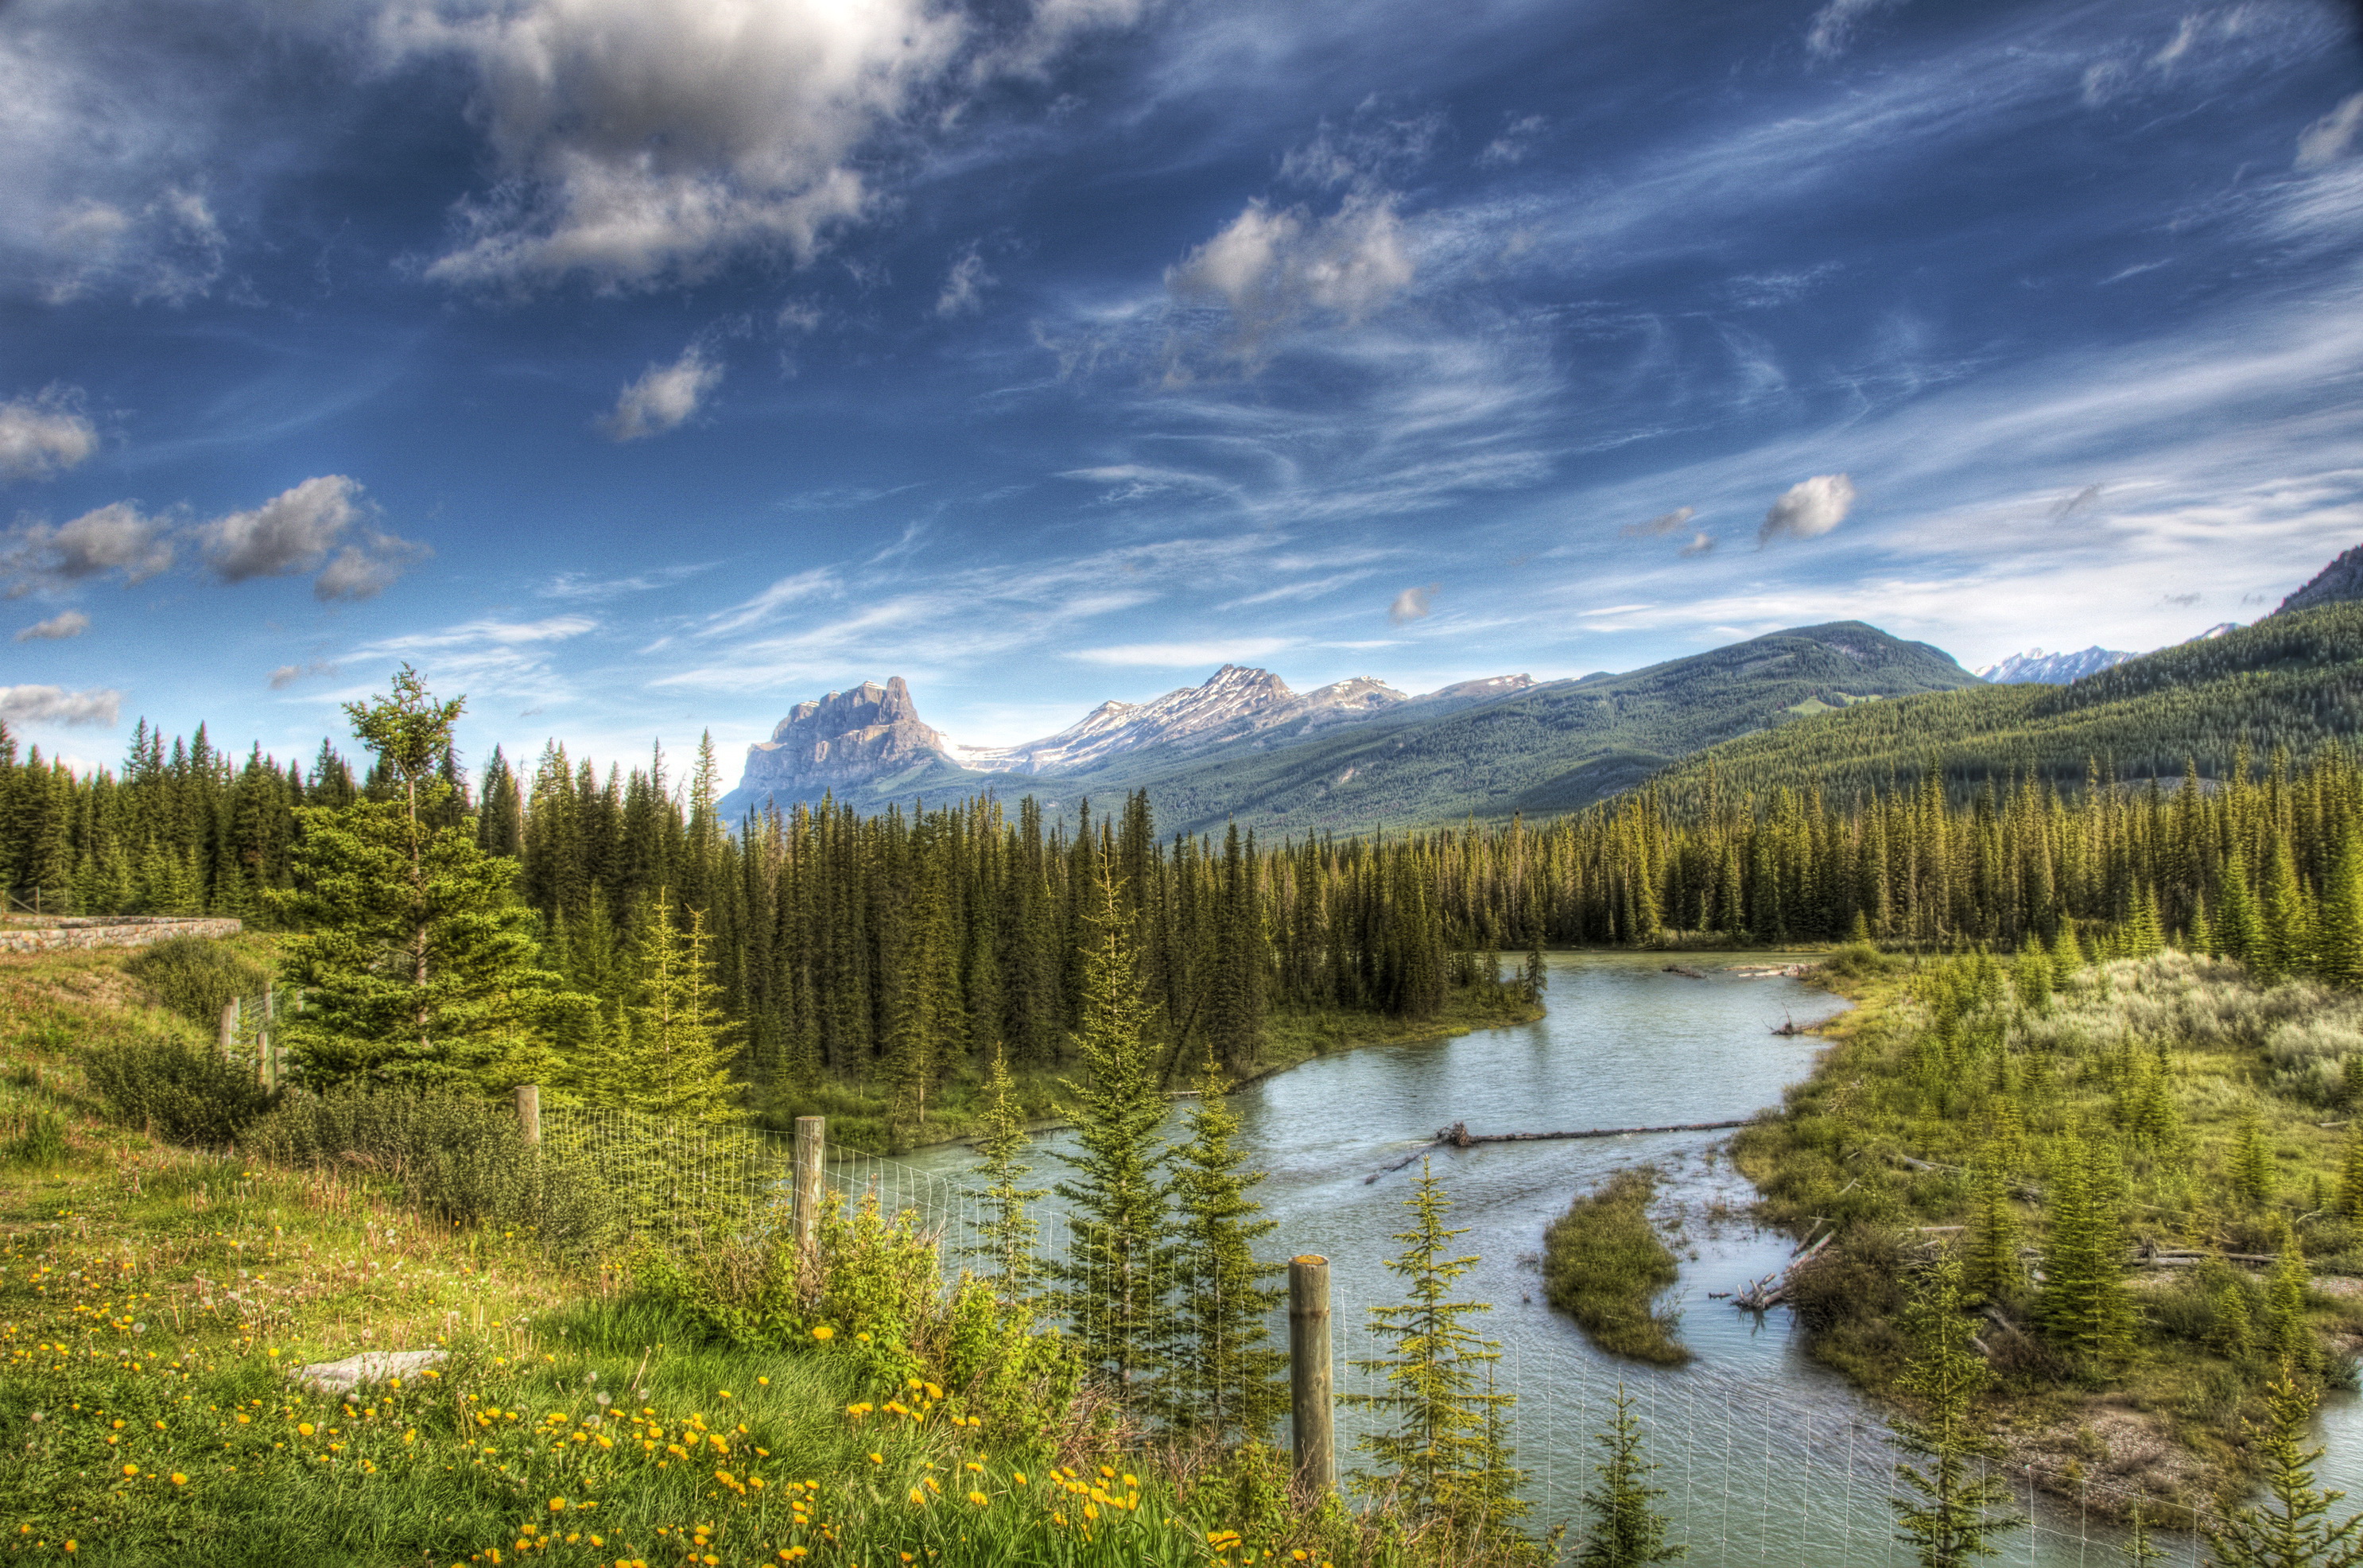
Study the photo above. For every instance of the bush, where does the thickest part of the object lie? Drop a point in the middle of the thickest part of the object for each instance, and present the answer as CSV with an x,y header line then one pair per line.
x,y
1857,961
462,1160
183,1094
197,976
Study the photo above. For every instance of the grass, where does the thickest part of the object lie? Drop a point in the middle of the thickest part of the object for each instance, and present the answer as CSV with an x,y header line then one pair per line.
x,y
1959,1063
154,1300
1604,1266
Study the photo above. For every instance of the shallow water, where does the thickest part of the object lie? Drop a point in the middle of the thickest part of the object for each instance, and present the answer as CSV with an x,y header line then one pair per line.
x,y
1767,1458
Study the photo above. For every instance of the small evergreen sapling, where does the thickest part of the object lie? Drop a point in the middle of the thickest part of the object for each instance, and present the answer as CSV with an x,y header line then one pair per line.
x,y
1005,1237
1626,1528
1947,1516
2293,1529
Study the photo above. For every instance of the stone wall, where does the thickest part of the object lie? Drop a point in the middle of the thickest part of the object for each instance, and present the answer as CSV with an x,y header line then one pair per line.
x,y
53,933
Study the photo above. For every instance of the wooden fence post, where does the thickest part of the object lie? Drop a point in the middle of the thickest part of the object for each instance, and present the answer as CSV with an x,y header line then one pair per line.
x,y
528,1109
266,1044
1312,1384
810,1132
230,1026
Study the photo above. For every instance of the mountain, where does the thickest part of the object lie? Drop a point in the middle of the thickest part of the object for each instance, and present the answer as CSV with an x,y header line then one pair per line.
x,y
1242,747
1234,704
2293,679
2339,582
844,740
2037,667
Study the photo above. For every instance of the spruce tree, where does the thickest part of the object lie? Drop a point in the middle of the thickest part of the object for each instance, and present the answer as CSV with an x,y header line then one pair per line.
x,y
1991,1270
2294,1530
2233,1334
2350,1166
1947,1516
1433,1439
2083,1305
2237,930
1627,1527
671,1057
1223,1377
1005,1237
1109,1285
419,964
2252,1162
2340,940
2288,928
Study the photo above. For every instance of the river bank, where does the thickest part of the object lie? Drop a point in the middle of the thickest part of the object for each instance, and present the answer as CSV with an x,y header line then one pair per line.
x,y
2149,1088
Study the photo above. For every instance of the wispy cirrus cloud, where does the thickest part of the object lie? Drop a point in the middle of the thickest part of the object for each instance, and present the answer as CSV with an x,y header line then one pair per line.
x,y
64,624
1183,655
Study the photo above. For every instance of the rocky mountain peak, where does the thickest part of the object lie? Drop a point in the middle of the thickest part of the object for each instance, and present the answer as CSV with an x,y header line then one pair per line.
x,y
2336,583
831,743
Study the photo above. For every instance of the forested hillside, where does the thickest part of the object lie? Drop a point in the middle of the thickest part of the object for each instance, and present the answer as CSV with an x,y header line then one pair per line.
x,y
2293,681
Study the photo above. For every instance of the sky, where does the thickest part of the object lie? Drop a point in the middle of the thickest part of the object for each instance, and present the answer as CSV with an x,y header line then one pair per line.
x,y
638,368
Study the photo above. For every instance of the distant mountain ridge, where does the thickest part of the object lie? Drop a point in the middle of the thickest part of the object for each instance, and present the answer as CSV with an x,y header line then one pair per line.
x,y
1359,754
2035,666
2339,582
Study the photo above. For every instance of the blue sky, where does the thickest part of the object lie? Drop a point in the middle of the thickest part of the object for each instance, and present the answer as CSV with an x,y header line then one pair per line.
x,y
642,366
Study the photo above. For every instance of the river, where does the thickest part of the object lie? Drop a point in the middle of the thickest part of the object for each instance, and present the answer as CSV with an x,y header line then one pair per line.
x,y
1766,1457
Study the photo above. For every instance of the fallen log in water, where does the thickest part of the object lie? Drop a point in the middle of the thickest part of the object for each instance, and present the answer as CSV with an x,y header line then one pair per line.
x,y
1457,1136
1685,970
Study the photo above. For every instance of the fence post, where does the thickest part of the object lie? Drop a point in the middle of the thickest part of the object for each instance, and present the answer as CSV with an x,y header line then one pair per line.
x,y
810,1132
528,1109
266,1044
230,1026
1311,1382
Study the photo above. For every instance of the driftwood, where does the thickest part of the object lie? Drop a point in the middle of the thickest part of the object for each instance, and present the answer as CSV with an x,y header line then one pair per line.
x,y
1457,1136
1789,1026
1684,970
1770,1291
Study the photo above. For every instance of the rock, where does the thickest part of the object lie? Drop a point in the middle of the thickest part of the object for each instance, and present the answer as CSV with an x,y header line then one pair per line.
x,y
842,741
370,1366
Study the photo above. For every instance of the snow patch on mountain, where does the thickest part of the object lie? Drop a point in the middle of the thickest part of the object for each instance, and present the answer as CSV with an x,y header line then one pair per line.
x,y
2037,667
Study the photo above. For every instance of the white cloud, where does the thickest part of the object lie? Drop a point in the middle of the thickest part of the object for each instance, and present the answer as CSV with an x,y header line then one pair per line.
x,y
489,633
1700,544
44,434
55,705
115,538
2330,138
318,524
1808,509
1412,604
639,141
814,583
663,396
1517,139
1827,35
964,285
287,675
65,623
1272,266
1663,523
1179,655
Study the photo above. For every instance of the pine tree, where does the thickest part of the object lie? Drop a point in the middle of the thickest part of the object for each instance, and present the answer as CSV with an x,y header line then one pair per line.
x,y
1005,1236
1109,1287
2340,940
1627,1527
1433,1439
2289,1336
2288,931
2141,1551
1947,1515
1990,1270
419,964
2234,1336
2237,929
2083,1305
2252,1163
2294,1530
671,1059
1223,1379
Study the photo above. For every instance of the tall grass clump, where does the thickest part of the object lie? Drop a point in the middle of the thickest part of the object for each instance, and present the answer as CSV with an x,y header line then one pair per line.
x,y
197,977
1604,1266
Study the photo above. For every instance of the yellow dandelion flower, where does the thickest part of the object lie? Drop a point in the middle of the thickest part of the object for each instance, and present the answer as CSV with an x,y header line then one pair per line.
x,y
979,1498
130,1470
179,1479
303,1429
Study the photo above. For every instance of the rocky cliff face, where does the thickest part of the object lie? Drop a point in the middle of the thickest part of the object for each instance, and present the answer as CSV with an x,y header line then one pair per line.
x,y
2335,584
841,740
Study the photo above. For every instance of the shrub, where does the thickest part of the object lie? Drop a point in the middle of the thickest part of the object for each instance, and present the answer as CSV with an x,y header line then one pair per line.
x,y
197,976
459,1158
1858,960
183,1094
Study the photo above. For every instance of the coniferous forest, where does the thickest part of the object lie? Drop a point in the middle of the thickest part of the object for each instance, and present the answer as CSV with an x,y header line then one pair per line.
x,y
893,952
